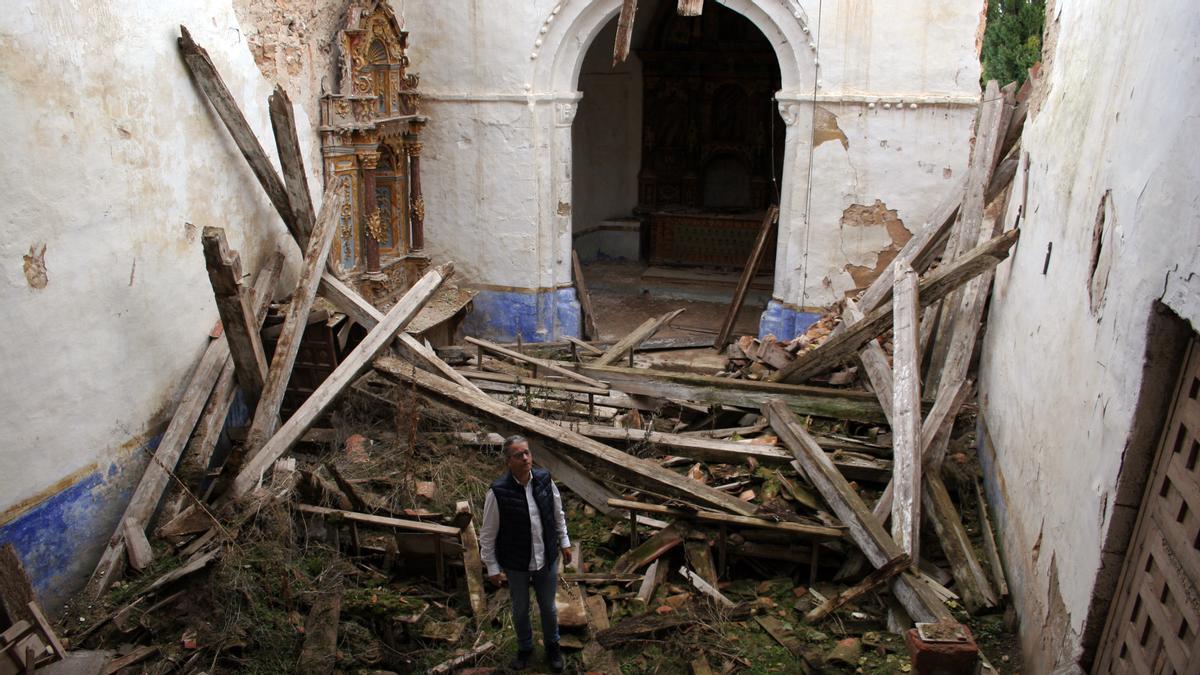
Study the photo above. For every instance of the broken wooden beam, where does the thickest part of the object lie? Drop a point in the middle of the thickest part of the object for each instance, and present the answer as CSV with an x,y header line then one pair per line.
x,y
875,364
380,521
690,7
291,160
266,415
875,580
16,591
906,429
587,313
969,578
578,445
828,402
531,382
396,319
650,550
236,308
538,363
473,562
707,449
624,31
137,547
451,665
213,87
756,253
862,527
704,587
933,287
631,341
989,543
799,529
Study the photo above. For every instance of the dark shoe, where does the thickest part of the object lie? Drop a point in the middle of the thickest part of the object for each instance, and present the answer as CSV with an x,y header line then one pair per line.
x,y
554,657
521,661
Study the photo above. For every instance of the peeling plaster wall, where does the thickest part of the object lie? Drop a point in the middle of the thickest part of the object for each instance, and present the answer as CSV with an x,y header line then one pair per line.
x,y
112,166
1062,369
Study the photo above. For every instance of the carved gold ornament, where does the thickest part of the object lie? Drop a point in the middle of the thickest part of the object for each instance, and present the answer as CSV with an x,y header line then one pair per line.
x,y
375,226
418,207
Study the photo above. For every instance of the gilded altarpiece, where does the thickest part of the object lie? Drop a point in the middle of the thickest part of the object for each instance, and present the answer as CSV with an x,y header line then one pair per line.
x,y
370,133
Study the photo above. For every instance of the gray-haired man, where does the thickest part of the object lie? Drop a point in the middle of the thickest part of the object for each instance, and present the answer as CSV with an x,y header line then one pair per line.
x,y
523,530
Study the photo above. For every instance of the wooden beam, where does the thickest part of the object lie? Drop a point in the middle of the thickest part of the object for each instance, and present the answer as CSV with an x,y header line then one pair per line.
x,y
473,563
704,587
624,31
137,547
839,404
283,123
650,550
380,521
649,582
690,7
235,306
213,87
578,446
989,542
798,529
396,319
588,315
266,415
862,527
539,363
707,449
585,346
937,425
630,342
16,591
970,581
934,286
906,429
150,489
875,364
752,264
871,582
532,382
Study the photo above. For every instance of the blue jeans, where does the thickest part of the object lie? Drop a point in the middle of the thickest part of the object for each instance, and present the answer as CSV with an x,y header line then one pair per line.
x,y
545,583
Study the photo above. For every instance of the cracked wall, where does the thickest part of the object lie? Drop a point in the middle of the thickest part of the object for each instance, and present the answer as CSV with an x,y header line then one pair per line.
x,y
1061,374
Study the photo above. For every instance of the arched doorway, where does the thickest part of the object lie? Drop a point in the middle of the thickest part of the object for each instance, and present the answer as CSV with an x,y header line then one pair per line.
x,y
676,155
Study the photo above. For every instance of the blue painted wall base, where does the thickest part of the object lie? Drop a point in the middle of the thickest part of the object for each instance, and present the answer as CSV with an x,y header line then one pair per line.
x,y
60,539
537,316
784,322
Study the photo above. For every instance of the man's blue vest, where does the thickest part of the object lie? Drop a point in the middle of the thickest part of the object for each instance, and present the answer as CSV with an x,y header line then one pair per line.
x,y
513,543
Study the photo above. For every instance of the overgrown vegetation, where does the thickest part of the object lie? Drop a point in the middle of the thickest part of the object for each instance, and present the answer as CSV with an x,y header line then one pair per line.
x,y
1012,42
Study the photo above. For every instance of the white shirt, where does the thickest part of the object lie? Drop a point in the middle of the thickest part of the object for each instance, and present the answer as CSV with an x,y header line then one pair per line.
x,y
491,527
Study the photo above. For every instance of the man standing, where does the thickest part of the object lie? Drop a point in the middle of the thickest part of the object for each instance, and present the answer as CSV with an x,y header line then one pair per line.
x,y
523,530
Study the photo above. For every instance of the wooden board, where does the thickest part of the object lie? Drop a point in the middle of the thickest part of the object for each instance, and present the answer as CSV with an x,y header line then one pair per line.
x,y
236,309
906,428
970,581
799,529
631,341
539,363
588,315
650,550
16,591
319,654
283,123
381,521
473,561
624,31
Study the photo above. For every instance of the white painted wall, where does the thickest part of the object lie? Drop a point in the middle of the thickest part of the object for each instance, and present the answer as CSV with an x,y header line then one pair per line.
x,y
1059,381
114,163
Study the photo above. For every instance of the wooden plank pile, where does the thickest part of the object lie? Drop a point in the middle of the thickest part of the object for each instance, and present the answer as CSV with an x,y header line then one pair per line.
x,y
350,521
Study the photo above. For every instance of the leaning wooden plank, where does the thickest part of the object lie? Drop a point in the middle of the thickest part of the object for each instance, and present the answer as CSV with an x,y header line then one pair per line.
x,y
580,447
585,346
906,428
862,527
537,363
236,308
396,319
934,286
799,529
588,315
705,587
837,404
748,272
969,578
875,364
136,656
648,328
649,582
266,415
283,123
937,425
871,582
624,31
154,481
16,592
650,550
319,654
473,562
699,556
214,89
426,354
450,665
989,542
988,135
381,521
